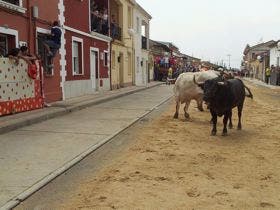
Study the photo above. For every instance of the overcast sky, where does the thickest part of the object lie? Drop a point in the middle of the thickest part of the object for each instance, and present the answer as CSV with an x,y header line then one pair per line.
x,y
212,29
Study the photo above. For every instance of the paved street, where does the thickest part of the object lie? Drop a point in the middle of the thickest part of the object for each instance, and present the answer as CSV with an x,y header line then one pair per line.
x,y
166,163
32,155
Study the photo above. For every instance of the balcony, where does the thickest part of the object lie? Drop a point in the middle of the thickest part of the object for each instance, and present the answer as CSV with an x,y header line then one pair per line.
x,y
116,32
144,43
99,25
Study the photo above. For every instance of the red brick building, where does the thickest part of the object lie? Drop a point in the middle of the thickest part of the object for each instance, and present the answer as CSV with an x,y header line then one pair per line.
x,y
82,65
22,22
87,65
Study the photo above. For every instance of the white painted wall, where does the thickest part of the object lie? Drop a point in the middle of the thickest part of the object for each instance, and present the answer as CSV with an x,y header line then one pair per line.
x,y
274,54
77,88
141,76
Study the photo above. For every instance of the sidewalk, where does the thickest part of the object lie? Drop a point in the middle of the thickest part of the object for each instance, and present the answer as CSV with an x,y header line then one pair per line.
x,y
12,122
260,83
32,156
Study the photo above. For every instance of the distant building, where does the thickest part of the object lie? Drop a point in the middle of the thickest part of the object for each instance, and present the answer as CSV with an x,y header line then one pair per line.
x,y
256,59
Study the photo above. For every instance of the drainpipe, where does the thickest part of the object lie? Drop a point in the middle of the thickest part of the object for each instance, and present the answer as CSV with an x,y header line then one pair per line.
x,y
109,23
29,25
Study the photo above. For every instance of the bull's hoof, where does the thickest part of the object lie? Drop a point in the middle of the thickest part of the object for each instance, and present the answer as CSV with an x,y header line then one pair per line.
x,y
239,127
224,132
213,133
187,116
175,116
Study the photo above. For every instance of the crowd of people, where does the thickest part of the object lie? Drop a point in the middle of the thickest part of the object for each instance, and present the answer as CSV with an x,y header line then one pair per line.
x,y
51,45
99,19
168,67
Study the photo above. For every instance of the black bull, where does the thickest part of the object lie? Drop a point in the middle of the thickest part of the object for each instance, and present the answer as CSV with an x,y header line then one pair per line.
x,y
222,97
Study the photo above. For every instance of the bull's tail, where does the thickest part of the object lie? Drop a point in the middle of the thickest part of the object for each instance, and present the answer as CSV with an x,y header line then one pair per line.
x,y
250,95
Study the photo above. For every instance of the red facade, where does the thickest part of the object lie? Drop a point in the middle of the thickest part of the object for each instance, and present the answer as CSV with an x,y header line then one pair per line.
x,y
26,25
78,25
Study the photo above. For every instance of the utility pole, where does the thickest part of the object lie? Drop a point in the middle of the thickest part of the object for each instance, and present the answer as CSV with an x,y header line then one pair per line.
x,y
229,60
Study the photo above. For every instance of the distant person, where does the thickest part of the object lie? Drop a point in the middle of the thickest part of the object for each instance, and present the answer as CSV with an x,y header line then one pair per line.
x,y
156,72
53,44
267,75
166,62
170,72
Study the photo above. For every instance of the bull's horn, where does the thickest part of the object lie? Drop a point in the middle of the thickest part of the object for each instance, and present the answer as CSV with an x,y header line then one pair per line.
x,y
195,82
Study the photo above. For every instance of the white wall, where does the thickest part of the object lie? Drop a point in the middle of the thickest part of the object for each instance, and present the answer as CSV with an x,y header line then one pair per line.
x,y
141,77
274,53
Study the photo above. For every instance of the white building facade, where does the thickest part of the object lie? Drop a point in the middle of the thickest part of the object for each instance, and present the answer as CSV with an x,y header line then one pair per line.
x,y
141,45
275,55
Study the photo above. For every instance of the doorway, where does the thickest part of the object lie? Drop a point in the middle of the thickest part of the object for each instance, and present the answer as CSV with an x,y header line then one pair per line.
x,y
94,69
121,70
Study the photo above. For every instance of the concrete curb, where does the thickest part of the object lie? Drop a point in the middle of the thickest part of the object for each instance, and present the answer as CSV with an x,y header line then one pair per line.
x,y
47,179
63,111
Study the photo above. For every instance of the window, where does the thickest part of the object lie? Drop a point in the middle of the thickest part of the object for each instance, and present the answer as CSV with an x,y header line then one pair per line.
x,y
106,59
129,63
46,61
7,42
138,63
16,2
129,16
138,25
77,56
3,45
113,59
13,5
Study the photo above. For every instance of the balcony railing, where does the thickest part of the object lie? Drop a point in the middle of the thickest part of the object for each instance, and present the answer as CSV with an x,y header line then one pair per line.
x,y
144,43
116,32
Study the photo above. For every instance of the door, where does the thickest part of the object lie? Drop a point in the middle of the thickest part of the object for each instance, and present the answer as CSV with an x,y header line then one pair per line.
x,y
94,76
121,70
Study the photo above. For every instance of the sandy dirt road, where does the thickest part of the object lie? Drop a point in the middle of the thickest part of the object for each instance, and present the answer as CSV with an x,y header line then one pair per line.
x,y
176,164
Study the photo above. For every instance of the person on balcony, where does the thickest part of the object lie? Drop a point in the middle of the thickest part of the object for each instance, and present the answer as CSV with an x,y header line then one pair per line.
x,y
104,22
21,53
25,55
95,21
114,26
13,55
53,44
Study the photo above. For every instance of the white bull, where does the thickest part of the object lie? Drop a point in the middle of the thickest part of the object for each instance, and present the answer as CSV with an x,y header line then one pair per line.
x,y
185,90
